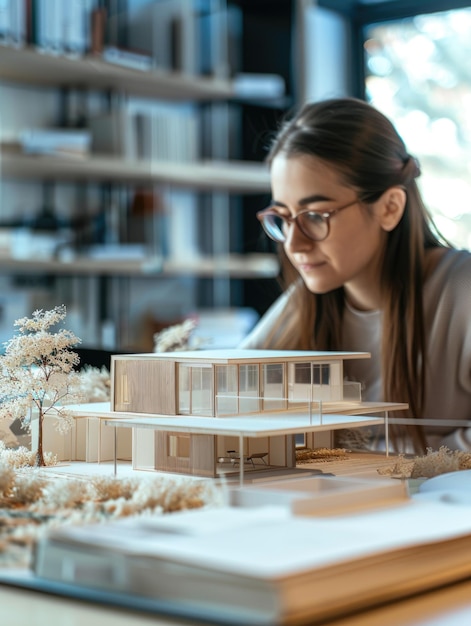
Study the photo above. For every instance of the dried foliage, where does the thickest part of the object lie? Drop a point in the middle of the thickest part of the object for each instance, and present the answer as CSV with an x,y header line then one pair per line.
x,y
92,384
31,502
22,457
433,463
176,338
354,438
307,455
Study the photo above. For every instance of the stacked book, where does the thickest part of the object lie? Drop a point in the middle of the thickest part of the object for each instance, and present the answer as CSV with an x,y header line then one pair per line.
x,y
273,562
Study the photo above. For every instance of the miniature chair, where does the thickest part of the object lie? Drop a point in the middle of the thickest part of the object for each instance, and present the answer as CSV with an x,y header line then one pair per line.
x,y
258,455
235,458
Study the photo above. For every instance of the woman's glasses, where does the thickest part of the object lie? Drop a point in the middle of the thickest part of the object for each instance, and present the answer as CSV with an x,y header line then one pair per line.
x,y
312,224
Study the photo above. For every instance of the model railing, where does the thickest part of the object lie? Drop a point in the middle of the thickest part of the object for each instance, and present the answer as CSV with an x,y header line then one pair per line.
x,y
231,405
301,398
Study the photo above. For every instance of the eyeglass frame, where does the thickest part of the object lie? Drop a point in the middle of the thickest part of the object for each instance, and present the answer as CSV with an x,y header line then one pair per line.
x,y
326,215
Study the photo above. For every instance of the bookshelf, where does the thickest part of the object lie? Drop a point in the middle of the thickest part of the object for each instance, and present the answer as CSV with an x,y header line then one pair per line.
x,y
234,176
234,265
218,177
27,65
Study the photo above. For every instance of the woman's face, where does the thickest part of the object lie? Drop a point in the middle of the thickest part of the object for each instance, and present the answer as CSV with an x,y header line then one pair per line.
x,y
351,254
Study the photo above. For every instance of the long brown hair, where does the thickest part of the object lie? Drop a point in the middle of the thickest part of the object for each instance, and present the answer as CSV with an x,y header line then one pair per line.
x,y
364,147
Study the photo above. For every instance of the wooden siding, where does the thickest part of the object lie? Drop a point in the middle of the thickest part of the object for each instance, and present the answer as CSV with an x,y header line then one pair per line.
x,y
144,386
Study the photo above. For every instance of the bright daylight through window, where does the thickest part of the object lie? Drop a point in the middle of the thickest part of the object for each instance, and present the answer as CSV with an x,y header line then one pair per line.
x,y
418,72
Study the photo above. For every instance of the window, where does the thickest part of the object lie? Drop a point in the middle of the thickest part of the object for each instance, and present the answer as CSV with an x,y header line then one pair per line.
x,y
417,72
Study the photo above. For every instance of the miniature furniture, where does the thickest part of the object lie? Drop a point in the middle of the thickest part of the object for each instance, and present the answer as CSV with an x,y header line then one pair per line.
x,y
234,458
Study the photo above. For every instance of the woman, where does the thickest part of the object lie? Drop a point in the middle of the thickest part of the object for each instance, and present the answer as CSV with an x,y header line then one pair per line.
x,y
366,269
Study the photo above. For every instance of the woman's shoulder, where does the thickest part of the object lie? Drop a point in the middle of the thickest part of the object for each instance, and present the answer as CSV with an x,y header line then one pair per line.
x,y
447,288
449,267
278,316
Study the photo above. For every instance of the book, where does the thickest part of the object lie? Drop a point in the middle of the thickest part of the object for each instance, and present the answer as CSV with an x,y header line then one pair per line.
x,y
75,27
55,141
263,565
127,58
5,22
187,36
54,26
13,23
259,86
18,23
113,133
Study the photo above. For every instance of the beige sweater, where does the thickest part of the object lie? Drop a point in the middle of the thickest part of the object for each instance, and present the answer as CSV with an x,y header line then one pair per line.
x,y
447,304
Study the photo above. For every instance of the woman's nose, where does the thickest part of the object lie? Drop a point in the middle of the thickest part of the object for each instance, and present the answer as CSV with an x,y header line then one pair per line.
x,y
296,240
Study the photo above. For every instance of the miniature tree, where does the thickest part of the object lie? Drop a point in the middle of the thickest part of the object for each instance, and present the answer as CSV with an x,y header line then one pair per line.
x,y
36,371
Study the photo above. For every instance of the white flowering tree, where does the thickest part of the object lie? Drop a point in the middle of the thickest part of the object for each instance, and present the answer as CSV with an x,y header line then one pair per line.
x,y
37,372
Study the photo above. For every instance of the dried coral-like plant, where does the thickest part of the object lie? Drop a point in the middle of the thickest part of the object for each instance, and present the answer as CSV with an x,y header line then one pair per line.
x,y
32,501
22,457
176,338
433,463
36,372
92,385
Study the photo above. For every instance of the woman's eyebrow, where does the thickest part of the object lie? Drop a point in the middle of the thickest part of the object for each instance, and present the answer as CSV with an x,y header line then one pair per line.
x,y
304,201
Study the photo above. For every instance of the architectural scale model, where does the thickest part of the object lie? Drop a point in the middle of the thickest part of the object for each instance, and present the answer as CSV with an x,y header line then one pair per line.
x,y
210,411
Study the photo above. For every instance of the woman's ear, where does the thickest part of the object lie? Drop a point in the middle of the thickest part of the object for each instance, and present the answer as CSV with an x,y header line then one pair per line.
x,y
390,208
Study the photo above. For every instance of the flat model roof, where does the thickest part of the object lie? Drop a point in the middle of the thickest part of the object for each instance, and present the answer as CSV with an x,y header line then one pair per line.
x,y
248,356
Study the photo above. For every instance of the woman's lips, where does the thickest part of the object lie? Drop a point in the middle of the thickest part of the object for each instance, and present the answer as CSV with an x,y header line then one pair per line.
x,y
309,267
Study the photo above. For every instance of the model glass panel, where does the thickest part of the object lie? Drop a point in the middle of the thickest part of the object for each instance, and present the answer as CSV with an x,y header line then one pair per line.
x,y
299,382
183,389
249,388
201,401
274,395
226,390
195,389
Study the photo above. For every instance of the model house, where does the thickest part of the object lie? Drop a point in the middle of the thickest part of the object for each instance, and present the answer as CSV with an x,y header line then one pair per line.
x,y
229,387
214,383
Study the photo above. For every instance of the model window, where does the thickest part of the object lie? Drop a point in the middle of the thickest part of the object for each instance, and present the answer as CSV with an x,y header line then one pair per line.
x,y
249,400
227,390
320,374
274,392
248,375
273,373
179,446
184,377
201,390
302,373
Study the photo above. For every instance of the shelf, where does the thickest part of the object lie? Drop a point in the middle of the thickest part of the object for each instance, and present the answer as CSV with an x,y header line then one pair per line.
x,y
227,266
231,176
27,65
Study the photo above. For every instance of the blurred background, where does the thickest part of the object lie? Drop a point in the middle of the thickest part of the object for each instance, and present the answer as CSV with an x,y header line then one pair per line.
x,y
133,136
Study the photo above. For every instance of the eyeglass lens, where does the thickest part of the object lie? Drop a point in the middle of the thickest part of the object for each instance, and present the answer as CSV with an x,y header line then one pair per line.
x,y
313,224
